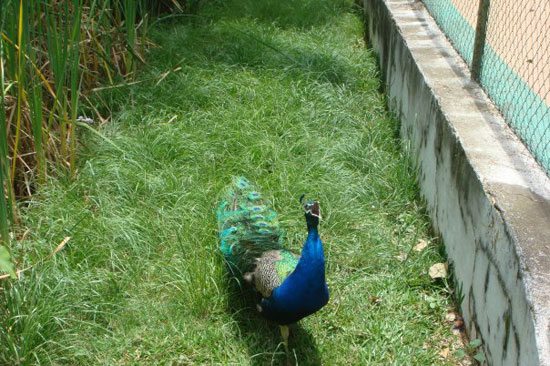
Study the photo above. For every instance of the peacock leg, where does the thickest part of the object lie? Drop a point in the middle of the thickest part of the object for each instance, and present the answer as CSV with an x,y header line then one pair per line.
x,y
285,332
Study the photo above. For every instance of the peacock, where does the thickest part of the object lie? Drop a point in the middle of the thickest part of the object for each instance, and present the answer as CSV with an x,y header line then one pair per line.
x,y
251,240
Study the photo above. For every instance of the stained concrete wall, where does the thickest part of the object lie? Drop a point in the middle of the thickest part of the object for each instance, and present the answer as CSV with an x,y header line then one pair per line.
x,y
486,196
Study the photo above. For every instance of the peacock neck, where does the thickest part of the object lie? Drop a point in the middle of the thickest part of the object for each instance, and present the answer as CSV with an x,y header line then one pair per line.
x,y
313,247
312,231
305,290
312,223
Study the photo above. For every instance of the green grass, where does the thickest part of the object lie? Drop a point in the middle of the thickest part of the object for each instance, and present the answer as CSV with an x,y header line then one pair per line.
x,y
287,97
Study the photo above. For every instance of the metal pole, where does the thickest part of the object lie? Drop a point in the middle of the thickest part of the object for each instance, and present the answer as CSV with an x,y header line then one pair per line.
x,y
481,36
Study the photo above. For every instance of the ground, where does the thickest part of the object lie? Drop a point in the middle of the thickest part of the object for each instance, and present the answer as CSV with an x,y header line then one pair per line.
x,y
286,95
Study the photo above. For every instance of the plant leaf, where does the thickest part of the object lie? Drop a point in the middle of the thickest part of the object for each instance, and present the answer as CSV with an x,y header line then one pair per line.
x,y
460,353
421,245
5,262
450,316
474,343
438,270
401,257
480,356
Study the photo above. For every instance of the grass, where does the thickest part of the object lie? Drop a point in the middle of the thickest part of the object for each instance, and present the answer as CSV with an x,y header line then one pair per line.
x,y
286,95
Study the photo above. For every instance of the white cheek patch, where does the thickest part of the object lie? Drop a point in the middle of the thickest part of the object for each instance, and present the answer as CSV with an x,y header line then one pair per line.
x,y
316,209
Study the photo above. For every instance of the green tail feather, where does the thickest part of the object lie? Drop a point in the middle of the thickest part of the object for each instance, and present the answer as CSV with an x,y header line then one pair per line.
x,y
247,225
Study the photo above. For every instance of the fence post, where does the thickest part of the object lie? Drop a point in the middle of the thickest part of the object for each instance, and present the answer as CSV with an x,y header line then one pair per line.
x,y
481,35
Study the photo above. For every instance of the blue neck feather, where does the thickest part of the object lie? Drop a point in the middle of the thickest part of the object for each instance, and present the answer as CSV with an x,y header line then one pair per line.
x,y
305,290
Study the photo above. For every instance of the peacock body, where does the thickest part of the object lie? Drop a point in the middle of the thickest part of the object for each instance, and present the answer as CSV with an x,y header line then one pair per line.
x,y
251,240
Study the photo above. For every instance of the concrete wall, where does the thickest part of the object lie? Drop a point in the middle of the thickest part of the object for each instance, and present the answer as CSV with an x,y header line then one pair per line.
x,y
486,195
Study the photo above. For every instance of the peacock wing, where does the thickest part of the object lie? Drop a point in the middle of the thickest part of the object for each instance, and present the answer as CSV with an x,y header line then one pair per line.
x,y
272,268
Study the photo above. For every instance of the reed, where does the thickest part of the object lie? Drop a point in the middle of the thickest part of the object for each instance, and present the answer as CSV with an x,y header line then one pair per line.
x,y
5,202
52,54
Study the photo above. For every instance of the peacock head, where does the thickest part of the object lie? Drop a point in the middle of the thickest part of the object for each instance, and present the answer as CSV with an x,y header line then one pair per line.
x,y
312,211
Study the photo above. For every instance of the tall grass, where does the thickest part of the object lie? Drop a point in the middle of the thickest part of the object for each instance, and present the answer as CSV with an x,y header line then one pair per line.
x,y
52,55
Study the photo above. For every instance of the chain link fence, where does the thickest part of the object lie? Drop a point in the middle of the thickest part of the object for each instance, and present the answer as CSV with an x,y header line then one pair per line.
x,y
506,44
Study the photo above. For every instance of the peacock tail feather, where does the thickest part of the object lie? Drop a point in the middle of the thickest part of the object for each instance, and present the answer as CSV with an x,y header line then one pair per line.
x,y
248,226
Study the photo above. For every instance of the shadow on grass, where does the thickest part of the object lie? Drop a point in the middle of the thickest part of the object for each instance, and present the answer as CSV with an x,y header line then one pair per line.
x,y
242,36
239,34
284,14
263,338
